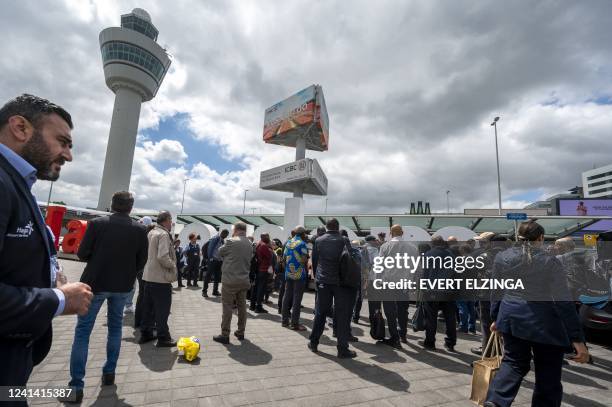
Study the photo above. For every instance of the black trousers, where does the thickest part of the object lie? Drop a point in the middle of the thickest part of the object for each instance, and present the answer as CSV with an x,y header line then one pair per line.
x,y
192,273
449,309
292,300
214,274
259,289
390,310
358,304
343,299
179,274
281,290
138,313
158,299
547,360
402,317
485,321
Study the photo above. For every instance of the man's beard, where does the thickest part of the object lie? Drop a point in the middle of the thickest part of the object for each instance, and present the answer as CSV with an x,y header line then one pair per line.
x,y
37,154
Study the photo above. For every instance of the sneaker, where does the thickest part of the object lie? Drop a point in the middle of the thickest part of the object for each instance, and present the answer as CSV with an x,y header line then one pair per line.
x,y
403,339
285,324
221,339
298,327
347,354
312,347
204,294
261,310
239,336
129,309
217,294
450,348
108,379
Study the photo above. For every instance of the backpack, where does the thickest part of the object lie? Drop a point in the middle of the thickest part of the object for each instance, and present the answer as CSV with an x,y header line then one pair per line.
x,y
377,328
350,267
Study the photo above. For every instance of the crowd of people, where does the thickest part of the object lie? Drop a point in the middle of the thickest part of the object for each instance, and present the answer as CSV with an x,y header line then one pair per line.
x,y
35,141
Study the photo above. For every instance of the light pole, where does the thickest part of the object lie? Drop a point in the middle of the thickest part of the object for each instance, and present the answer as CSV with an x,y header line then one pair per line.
x,y
447,202
184,188
494,124
244,201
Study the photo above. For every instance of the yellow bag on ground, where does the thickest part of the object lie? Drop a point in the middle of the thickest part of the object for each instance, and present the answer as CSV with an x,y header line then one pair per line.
x,y
188,348
485,369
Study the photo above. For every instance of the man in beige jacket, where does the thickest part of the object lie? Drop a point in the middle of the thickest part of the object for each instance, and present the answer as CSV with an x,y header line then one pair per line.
x,y
236,253
159,274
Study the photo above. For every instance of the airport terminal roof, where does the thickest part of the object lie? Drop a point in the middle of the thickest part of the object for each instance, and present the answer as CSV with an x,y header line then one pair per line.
x,y
556,226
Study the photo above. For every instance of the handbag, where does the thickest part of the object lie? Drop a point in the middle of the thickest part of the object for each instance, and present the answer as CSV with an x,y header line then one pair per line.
x,y
377,328
418,319
486,368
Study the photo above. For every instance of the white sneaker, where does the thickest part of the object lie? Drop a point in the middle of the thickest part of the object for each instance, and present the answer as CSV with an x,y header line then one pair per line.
x,y
129,309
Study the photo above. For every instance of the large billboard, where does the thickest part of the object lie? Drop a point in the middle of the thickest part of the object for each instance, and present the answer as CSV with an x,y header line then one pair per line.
x,y
588,207
301,115
585,207
304,173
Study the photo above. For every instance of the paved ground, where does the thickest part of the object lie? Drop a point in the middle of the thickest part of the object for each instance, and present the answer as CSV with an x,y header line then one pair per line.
x,y
273,367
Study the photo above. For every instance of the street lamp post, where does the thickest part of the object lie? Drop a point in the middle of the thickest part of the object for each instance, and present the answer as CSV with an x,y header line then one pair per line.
x,y
244,201
494,124
447,202
184,188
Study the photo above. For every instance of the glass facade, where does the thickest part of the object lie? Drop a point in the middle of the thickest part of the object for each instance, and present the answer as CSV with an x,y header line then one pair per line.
x,y
116,50
132,22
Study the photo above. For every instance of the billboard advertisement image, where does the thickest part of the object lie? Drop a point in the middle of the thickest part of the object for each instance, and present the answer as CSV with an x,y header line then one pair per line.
x,y
588,207
301,115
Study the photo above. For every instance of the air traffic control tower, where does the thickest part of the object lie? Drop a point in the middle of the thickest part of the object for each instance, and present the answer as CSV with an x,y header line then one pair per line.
x,y
134,68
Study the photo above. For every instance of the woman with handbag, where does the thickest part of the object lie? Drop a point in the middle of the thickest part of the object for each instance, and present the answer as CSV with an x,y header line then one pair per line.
x,y
537,321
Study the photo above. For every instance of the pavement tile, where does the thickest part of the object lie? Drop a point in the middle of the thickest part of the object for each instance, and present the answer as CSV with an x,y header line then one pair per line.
x,y
275,368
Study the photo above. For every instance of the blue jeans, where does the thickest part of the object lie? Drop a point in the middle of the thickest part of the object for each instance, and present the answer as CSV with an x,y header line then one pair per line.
x,y
467,315
130,298
82,332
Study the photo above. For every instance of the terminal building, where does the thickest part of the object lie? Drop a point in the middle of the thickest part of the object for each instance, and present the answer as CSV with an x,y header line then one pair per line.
x,y
597,183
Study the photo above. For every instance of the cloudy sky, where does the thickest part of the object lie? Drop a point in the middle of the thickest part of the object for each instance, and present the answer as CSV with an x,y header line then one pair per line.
x,y
411,88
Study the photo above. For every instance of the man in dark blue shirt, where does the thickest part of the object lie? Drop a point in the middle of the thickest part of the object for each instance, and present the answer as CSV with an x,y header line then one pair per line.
x,y
35,141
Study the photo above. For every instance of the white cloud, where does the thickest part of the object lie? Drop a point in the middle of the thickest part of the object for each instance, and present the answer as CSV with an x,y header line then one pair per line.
x,y
410,94
163,150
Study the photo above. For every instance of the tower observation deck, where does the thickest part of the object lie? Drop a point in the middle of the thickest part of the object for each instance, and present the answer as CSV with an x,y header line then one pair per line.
x,y
134,68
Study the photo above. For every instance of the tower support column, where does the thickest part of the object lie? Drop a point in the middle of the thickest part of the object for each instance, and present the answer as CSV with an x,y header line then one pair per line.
x,y
121,145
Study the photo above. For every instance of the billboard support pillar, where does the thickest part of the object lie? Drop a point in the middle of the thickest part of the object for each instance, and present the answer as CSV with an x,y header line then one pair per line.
x,y
300,148
294,214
